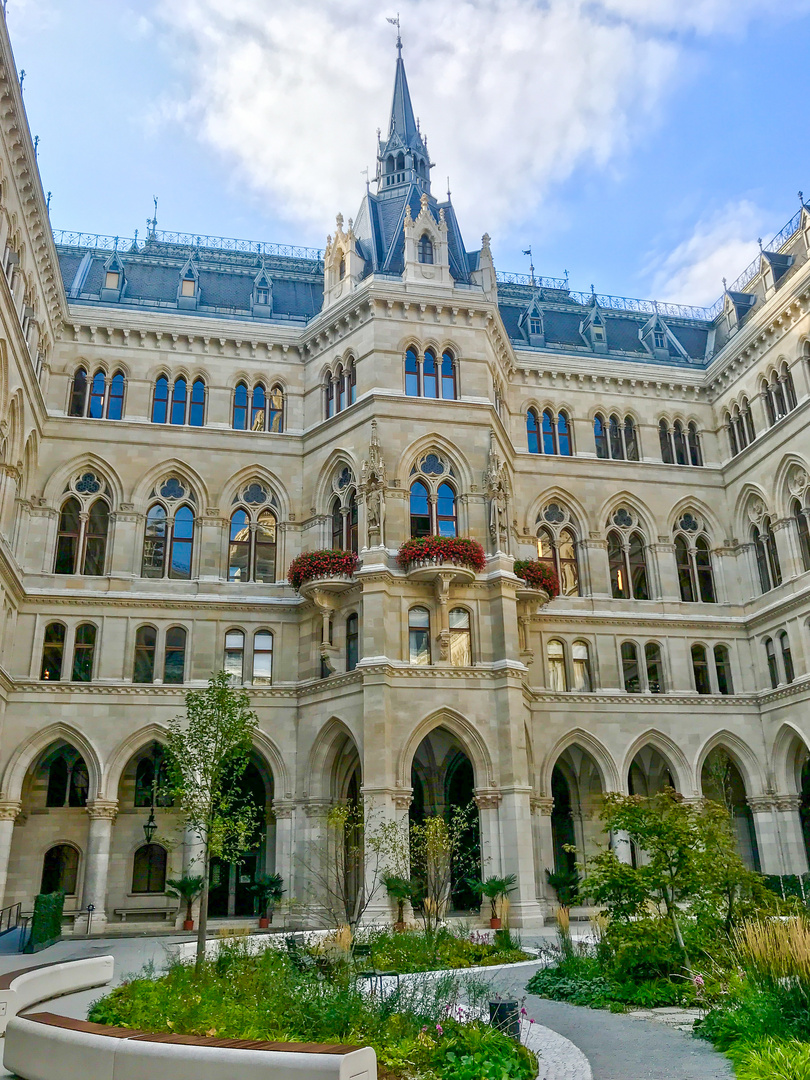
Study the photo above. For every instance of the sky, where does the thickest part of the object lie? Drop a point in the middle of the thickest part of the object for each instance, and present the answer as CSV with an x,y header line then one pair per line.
x,y
640,145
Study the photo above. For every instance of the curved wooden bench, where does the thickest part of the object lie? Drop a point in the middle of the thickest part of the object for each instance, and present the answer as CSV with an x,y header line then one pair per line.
x,y
27,986
46,1046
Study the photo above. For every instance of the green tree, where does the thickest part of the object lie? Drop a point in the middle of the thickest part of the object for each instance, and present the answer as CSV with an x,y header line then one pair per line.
x,y
440,851
208,750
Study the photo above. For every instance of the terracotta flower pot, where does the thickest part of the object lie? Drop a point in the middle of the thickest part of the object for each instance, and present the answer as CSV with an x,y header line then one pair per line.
x,y
399,927
264,922
188,924
494,924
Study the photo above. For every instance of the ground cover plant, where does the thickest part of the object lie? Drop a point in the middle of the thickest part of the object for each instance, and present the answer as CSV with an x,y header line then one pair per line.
x,y
414,950
419,1030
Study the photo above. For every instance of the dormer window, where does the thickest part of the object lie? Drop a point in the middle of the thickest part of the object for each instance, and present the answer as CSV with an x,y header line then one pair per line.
x,y
188,287
660,339
535,326
112,279
262,295
425,249
598,333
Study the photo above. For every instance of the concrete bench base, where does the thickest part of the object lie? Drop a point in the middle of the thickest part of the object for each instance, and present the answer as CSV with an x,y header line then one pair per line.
x,y
136,913
21,989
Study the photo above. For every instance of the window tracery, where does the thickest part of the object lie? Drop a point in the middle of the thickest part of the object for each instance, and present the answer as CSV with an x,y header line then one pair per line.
x,y
694,560
84,521
627,556
252,536
343,511
557,546
168,545
430,376
433,497
615,438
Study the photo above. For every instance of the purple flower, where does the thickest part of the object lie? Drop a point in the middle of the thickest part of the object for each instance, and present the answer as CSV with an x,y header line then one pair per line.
x,y
522,1012
531,1021
698,981
440,1029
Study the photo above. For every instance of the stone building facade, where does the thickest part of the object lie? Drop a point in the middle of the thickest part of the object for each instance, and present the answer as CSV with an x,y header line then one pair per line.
x,y
181,416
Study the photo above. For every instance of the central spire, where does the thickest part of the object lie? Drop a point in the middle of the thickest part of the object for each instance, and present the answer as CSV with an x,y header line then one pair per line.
x,y
402,157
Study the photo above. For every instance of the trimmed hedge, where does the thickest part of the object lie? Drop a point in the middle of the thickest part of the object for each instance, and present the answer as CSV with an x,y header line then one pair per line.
x,y
46,923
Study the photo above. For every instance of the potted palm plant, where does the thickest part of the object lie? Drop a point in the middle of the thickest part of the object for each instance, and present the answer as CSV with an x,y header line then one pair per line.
x,y
268,890
399,889
187,889
495,889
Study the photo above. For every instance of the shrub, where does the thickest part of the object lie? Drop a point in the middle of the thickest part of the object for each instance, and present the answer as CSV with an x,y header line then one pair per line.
x,y
772,1059
457,550
539,575
46,924
321,564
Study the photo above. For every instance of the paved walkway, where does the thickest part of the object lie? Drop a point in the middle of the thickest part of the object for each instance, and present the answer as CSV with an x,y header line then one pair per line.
x,y
618,1047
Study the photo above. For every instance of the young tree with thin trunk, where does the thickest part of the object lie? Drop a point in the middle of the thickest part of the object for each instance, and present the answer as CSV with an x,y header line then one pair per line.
x,y
208,751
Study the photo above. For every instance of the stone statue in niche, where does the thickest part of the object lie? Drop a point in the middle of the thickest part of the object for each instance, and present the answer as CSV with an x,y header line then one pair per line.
x,y
372,484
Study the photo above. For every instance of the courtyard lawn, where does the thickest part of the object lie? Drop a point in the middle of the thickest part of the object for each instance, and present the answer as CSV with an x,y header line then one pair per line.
x,y
414,950
419,1031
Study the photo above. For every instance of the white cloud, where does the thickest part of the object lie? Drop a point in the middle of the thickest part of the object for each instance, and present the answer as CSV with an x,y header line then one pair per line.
x,y
721,246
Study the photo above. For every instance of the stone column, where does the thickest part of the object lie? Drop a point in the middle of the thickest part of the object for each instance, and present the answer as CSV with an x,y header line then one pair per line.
x,y
595,551
766,829
620,842
787,547
789,833
666,569
102,814
381,806
9,811
517,855
544,849
488,803
284,812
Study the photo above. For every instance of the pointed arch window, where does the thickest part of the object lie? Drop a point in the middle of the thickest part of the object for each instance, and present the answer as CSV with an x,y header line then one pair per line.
x,y
694,563
179,396
275,409
419,636
149,869
412,387
600,436
182,543
258,406
345,523
420,510
84,650
559,551
449,388
700,669
53,651
329,395
240,406
446,523
81,544
171,533
802,531
115,401
143,668
98,389
615,438
770,573
196,415
549,432
430,383
787,656
95,539
352,641
693,441
722,668
628,566
425,249
667,455
67,541
773,667
78,393
679,439
160,400
174,659
532,432
563,435
460,638
340,389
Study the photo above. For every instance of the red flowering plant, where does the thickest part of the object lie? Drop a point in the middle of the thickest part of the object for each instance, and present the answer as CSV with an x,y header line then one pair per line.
x,y
538,575
443,549
321,564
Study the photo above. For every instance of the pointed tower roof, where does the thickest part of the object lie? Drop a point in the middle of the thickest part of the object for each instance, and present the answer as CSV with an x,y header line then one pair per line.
x,y
403,122
402,156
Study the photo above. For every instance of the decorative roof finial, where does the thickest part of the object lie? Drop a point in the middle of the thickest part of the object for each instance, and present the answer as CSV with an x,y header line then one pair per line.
x,y
724,285
151,223
395,22
801,198
528,251
759,241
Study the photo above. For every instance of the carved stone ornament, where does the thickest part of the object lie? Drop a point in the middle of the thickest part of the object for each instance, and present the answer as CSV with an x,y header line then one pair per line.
x,y
543,805
756,510
797,481
372,483
105,809
496,486
489,800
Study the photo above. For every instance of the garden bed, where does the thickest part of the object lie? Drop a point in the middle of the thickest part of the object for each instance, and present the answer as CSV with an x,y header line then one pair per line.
x,y
424,1028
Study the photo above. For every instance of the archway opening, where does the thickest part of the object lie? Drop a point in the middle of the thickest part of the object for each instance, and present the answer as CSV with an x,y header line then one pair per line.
x,y
443,781
650,773
804,804
230,892
721,781
576,831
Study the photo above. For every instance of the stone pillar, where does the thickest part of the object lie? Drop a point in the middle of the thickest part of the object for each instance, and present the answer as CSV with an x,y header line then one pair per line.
x,y
787,547
517,855
488,803
284,812
544,849
595,551
766,829
9,811
620,842
779,827
666,569
102,814
127,541
381,807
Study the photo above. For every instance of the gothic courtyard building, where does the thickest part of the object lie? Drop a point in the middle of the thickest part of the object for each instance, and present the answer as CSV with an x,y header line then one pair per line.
x,y
181,416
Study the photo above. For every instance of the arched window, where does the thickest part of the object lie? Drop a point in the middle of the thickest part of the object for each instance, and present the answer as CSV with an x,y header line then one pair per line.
x,y
666,445
600,436
425,249
787,657
802,531
340,389
154,543
773,667
98,389
654,667
143,669
262,658
770,573
329,395
240,402
638,566
160,400
196,416
630,668
337,524
95,539
557,677
182,543
411,374
352,641
53,650
84,649
419,636
239,548
618,570
419,509
257,408
705,574
351,382
430,382
345,523
693,439
695,574
700,670
67,541
352,525
115,400
448,377
275,409
685,566
549,432
583,681
679,440
446,524
560,553
563,435
630,439
460,639
722,667
628,566
179,401
149,869
68,781
174,660
60,870
78,393
532,432
615,438
234,654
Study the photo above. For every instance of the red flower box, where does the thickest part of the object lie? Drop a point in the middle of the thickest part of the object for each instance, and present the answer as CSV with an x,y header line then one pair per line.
x,y
457,550
321,564
538,575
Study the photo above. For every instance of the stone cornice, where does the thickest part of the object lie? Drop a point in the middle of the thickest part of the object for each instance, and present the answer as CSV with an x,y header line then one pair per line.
x,y
647,701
